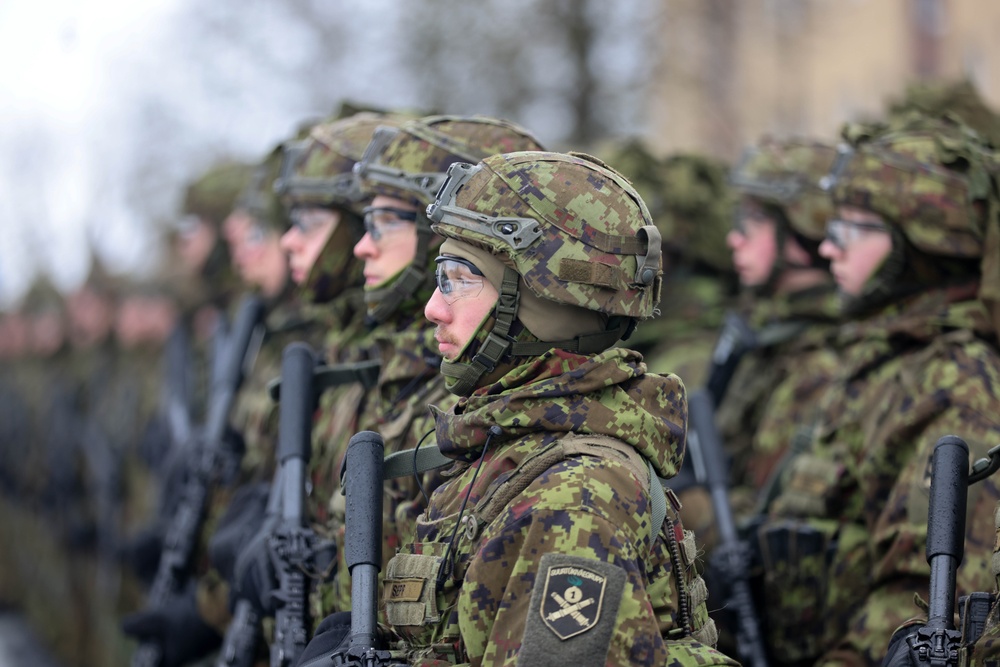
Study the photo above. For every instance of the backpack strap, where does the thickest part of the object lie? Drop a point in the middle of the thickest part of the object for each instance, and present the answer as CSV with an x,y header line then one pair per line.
x,y
410,462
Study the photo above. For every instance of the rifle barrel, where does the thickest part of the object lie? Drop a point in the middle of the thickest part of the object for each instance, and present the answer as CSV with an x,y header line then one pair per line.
x,y
363,541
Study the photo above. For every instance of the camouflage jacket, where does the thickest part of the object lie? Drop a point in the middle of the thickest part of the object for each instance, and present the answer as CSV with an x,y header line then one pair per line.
x,y
986,651
843,546
776,387
397,408
255,417
546,509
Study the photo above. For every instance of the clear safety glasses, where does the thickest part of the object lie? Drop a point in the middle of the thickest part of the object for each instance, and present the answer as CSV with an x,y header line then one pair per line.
x,y
458,278
845,233
385,221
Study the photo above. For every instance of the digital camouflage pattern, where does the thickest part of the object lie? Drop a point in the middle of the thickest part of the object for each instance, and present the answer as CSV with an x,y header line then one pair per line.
x,y
587,505
410,163
574,232
396,408
787,174
691,204
773,394
986,651
428,146
947,203
320,169
843,547
923,176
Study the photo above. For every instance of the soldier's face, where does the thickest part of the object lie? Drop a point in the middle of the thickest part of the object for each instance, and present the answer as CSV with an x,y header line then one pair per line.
x,y
857,244
396,244
305,239
194,245
754,244
260,259
459,313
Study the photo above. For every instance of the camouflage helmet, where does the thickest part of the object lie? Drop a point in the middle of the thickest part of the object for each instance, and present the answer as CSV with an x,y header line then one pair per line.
x,y
318,171
409,163
926,176
688,196
632,159
957,99
213,195
787,174
568,228
259,199
934,182
695,208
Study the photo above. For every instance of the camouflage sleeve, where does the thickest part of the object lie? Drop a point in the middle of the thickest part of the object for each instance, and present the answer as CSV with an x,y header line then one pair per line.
x,y
564,566
899,533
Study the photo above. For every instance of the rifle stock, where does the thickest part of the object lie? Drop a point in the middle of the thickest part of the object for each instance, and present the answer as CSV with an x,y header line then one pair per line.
x,y
173,570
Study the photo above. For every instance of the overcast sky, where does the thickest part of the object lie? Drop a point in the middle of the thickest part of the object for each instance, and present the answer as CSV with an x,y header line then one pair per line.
x,y
92,93
110,106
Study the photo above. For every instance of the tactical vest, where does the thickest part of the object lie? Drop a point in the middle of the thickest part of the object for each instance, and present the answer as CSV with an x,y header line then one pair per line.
x,y
410,584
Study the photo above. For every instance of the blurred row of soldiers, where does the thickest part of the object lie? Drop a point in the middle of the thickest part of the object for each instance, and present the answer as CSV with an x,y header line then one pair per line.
x,y
828,417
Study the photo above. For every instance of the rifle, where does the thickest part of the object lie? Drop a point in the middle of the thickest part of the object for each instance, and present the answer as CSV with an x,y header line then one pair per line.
x,y
177,385
363,551
735,340
732,556
174,568
243,634
292,542
938,643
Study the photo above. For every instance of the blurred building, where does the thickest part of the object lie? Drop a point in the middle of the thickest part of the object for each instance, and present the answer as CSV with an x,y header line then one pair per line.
x,y
731,70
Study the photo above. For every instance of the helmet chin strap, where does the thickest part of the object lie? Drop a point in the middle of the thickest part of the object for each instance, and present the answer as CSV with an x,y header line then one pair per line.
x,y
463,378
884,284
384,301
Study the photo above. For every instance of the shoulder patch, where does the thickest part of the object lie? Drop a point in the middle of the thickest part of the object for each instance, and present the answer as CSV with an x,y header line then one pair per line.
x,y
574,604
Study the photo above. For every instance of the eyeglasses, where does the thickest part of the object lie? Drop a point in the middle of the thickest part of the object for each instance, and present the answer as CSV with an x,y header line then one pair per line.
x,y
383,220
458,278
307,219
255,235
844,233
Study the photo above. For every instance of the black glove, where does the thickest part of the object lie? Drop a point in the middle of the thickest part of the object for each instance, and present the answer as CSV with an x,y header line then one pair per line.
x,y
255,575
899,653
176,628
331,633
237,527
142,553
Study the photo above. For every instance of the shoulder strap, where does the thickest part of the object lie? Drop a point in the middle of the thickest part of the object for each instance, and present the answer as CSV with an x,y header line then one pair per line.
x,y
364,373
410,462
414,462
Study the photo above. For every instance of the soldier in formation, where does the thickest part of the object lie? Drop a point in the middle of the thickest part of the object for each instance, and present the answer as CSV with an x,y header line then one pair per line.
x,y
482,302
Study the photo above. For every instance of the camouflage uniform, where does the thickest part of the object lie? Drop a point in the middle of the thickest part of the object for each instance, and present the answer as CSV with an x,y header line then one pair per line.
x,y
409,379
843,545
986,651
42,528
555,553
778,383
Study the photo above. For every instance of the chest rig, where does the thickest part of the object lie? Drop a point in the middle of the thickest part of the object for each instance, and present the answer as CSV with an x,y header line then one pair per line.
x,y
422,614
